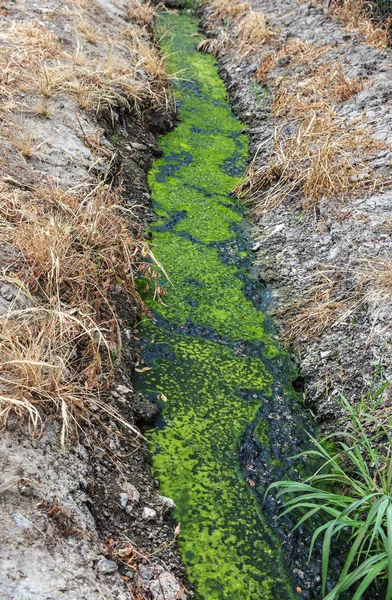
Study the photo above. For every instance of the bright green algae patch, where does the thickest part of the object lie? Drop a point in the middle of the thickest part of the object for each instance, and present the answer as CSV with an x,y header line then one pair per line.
x,y
207,343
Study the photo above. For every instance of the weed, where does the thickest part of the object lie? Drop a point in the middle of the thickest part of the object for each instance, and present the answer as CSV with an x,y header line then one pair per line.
x,y
253,31
352,489
43,108
24,141
89,31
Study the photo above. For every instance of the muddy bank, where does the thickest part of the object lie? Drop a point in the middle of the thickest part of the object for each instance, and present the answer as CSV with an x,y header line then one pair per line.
x,y
86,520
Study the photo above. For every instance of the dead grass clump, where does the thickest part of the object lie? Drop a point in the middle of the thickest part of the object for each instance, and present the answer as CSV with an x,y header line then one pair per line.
x,y
229,10
45,360
59,357
331,300
324,158
376,277
24,141
78,247
141,12
214,46
88,31
293,52
357,18
253,31
53,362
327,83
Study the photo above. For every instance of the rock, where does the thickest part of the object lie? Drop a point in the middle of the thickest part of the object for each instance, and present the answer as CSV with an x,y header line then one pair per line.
x,y
149,514
166,503
131,492
123,390
137,146
106,567
166,587
123,499
147,572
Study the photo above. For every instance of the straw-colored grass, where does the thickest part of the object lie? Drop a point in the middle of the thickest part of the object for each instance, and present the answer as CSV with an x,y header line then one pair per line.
x,y
330,300
327,84
74,249
253,31
325,158
73,246
357,18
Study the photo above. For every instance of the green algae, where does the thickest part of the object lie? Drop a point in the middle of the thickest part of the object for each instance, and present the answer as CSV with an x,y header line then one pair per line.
x,y
208,348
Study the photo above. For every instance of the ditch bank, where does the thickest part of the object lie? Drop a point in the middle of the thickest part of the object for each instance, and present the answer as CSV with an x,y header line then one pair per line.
x,y
80,514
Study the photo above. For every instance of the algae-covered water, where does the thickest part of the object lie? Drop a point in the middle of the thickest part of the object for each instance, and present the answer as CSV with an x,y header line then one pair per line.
x,y
213,361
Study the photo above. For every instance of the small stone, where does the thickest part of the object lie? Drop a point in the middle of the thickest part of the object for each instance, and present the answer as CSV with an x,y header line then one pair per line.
x,y
132,492
123,389
167,503
325,353
149,514
137,146
106,567
123,499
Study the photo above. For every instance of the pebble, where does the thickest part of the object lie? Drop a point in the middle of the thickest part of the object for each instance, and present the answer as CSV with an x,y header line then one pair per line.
x,y
137,146
167,503
107,567
131,492
149,514
123,499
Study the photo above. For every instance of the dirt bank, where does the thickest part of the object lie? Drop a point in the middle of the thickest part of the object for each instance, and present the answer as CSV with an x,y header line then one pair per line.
x,y
83,94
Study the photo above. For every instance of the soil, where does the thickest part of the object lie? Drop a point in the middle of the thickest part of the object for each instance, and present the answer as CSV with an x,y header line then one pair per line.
x,y
86,522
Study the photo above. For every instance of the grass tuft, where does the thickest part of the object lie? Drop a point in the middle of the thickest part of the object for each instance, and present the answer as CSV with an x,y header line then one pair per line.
x,y
324,158
351,490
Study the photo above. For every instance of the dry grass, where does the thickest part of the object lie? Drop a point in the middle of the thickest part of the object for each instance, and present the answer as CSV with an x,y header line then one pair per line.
x,y
24,140
224,10
376,277
329,300
214,46
294,51
253,32
60,356
357,18
89,31
325,158
247,29
327,84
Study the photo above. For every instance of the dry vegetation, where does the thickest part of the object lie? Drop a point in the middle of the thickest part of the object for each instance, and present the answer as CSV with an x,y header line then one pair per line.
x,y
319,156
356,17
324,158
73,244
244,29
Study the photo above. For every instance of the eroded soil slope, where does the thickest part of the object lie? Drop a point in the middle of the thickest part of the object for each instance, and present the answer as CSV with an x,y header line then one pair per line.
x,y
83,91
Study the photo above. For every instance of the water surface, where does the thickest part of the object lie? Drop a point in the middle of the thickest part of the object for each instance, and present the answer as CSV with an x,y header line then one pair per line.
x,y
214,364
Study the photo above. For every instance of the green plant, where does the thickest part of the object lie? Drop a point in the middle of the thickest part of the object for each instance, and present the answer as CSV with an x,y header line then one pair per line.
x,y
352,488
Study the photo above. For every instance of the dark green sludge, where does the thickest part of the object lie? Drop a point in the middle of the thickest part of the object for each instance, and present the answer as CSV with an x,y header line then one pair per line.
x,y
198,346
